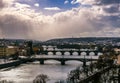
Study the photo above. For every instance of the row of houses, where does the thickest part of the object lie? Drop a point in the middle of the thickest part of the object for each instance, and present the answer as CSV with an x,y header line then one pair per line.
x,y
8,50
20,50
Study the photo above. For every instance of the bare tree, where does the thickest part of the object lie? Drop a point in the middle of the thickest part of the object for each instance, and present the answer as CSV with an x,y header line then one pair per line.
x,y
41,79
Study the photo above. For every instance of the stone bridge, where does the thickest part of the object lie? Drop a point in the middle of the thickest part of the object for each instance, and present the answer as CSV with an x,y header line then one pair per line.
x,y
61,59
71,52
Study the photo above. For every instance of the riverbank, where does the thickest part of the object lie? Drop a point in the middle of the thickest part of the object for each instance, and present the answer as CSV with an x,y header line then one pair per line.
x,y
12,63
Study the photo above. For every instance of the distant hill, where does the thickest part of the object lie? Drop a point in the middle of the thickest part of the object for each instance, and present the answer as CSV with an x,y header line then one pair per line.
x,y
19,40
85,39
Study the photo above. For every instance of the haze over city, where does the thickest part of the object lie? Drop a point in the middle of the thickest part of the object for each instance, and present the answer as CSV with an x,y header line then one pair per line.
x,y
47,19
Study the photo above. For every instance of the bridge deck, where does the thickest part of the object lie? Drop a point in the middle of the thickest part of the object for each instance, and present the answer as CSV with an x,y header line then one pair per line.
x,y
52,57
65,56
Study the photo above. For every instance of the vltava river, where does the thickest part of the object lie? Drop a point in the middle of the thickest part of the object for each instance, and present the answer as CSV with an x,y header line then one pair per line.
x,y
25,73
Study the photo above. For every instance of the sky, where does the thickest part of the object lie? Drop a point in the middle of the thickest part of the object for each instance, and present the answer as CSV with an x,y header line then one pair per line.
x,y
48,19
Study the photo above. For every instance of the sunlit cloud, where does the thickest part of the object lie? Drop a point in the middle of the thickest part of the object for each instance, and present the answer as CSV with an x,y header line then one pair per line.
x,y
36,5
52,8
74,2
66,2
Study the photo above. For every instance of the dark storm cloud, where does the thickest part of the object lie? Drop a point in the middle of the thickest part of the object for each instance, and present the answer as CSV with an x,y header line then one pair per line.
x,y
107,2
114,20
114,5
12,27
112,9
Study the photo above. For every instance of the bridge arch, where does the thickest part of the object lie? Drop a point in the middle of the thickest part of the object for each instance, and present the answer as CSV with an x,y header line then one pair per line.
x,y
44,47
58,53
50,47
99,53
75,53
66,53
73,61
50,53
91,54
63,62
83,53
52,61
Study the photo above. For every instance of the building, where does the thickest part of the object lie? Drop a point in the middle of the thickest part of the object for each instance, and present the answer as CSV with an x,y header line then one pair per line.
x,y
2,51
8,50
11,50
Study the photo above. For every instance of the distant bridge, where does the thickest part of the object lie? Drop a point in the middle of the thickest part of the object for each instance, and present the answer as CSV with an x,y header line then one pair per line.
x,y
71,52
61,59
62,51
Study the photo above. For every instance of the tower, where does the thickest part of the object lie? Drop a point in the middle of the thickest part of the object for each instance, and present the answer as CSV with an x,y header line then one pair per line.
x,y
30,48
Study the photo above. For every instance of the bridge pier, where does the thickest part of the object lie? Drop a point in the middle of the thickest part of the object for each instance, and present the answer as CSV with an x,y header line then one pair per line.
x,y
62,53
79,53
87,53
62,62
71,53
96,53
84,64
41,62
54,53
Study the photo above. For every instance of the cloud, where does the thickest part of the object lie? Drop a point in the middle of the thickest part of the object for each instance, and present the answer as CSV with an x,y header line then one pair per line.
x,y
14,27
107,2
8,3
36,5
73,2
82,21
52,8
14,22
97,2
21,21
66,2
19,6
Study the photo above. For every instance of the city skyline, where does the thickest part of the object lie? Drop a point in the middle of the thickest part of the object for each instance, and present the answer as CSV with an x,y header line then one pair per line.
x,y
48,19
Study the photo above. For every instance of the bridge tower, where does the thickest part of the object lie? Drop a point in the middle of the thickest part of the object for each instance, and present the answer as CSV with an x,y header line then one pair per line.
x,y
29,48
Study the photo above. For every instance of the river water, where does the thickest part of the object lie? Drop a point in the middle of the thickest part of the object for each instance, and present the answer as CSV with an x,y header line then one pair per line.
x,y
25,73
